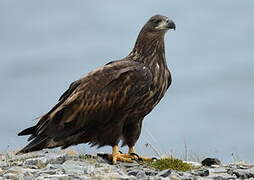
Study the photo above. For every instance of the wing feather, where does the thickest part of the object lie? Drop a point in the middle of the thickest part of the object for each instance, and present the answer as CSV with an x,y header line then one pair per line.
x,y
95,98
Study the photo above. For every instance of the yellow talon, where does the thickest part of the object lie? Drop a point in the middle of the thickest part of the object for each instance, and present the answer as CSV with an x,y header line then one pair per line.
x,y
117,156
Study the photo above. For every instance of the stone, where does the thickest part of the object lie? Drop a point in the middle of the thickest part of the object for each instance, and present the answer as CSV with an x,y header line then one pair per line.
x,y
77,167
15,169
13,176
195,164
210,162
174,177
53,166
139,171
55,177
3,164
242,173
64,166
26,172
164,173
39,162
150,172
49,172
56,158
222,178
140,174
200,172
132,173
128,165
218,170
182,175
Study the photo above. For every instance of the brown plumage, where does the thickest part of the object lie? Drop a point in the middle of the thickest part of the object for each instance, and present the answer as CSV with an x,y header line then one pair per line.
x,y
109,104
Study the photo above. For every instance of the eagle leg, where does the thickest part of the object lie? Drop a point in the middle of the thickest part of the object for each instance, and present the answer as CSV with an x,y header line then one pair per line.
x,y
117,156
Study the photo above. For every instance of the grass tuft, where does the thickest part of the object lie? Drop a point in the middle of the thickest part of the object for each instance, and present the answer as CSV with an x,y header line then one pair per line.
x,y
171,163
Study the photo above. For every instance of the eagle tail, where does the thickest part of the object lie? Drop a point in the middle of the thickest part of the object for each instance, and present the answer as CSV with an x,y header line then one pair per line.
x,y
37,144
27,131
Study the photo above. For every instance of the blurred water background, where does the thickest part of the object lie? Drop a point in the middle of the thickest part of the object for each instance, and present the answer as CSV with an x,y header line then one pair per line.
x,y
45,45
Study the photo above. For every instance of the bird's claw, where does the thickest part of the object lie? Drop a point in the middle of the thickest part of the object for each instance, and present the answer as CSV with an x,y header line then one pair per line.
x,y
125,157
120,157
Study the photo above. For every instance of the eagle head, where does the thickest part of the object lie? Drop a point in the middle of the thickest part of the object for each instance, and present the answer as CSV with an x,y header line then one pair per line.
x,y
159,23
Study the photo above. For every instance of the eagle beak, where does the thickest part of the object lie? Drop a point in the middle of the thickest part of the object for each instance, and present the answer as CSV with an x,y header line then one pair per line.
x,y
171,24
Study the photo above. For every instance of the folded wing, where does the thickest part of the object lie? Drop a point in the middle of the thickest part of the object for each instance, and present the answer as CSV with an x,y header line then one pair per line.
x,y
93,100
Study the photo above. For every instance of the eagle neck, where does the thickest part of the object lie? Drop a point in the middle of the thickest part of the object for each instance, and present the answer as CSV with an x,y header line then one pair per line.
x,y
149,49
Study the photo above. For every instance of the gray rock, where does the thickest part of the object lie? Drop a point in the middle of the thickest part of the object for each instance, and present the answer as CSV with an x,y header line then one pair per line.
x,y
106,171
55,177
77,167
13,176
56,158
141,172
223,178
200,172
218,170
53,166
195,164
181,175
132,173
210,162
3,164
164,173
65,166
21,157
128,165
20,171
242,173
174,176
39,162
150,172
50,172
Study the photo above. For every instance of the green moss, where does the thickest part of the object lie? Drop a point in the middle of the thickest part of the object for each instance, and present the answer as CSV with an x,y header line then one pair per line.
x,y
171,163
83,156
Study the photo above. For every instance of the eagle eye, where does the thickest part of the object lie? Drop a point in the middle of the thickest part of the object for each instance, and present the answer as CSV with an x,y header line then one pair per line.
x,y
156,21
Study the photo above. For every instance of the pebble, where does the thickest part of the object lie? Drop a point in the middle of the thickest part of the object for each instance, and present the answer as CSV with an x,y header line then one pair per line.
x,y
77,167
200,172
164,173
242,173
11,176
3,163
39,162
210,162
67,166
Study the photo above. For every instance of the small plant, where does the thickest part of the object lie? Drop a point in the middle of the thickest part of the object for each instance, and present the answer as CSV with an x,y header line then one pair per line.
x,y
83,156
171,163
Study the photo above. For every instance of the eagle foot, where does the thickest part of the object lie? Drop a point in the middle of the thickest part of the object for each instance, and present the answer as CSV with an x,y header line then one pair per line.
x,y
135,156
113,158
120,157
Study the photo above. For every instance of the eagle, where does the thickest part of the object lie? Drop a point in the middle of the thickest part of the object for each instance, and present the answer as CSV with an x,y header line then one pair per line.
x,y
108,105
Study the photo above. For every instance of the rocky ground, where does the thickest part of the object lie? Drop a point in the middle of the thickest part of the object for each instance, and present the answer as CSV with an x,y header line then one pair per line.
x,y
65,165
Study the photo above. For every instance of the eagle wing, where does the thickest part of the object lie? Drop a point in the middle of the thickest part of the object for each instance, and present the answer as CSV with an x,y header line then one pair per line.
x,y
93,99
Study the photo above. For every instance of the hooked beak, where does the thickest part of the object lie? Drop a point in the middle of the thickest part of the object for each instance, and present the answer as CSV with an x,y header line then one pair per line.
x,y
171,24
